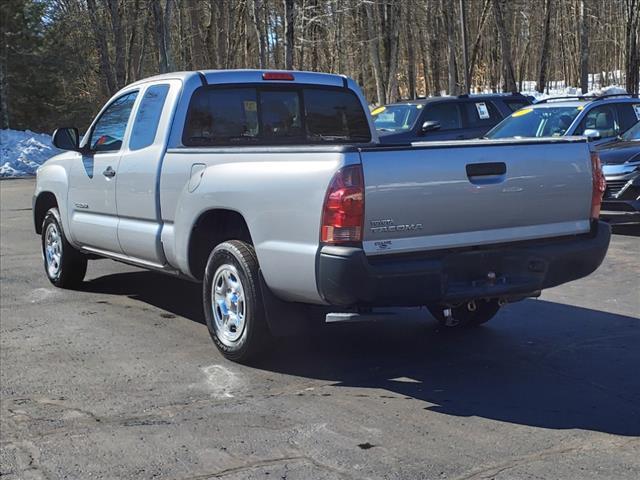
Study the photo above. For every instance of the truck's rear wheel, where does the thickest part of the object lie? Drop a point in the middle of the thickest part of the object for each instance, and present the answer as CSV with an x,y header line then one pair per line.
x,y
233,303
64,265
463,316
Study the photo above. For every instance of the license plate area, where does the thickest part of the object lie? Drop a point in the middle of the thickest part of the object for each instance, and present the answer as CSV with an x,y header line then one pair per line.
x,y
491,273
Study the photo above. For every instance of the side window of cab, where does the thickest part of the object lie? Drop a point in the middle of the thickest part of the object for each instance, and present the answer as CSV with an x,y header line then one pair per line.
x,y
108,132
145,125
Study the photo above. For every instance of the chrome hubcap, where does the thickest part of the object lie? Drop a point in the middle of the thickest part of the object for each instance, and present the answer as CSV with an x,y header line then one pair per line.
x,y
53,250
228,304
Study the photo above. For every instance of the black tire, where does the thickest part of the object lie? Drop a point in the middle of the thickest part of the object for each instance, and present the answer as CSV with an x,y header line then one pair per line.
x,y
237,260
69,268
463,317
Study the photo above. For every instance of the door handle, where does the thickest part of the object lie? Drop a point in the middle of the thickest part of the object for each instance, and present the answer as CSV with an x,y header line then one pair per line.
x,y
486,169
109,172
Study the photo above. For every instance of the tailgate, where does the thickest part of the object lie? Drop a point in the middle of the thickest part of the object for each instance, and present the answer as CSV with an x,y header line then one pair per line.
x,y
448,195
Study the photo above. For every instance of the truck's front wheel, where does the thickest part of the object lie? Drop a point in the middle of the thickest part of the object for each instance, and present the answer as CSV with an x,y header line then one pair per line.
x,y
232,301
64,265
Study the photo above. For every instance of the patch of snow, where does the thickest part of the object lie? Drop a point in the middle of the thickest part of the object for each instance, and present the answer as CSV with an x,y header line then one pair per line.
x,y
22,152
569,91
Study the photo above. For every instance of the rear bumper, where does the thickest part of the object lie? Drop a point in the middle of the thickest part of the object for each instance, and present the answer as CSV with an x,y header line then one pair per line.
x,y
346,277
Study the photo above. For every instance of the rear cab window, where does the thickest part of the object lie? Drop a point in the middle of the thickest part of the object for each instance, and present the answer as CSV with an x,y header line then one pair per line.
x,y
274,115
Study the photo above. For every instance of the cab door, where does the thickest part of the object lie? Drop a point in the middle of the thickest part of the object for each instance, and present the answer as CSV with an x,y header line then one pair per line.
x,y
93,216
137,190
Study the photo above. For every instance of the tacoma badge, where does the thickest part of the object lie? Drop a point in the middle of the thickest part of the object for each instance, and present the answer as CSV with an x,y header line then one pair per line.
x,y
388,225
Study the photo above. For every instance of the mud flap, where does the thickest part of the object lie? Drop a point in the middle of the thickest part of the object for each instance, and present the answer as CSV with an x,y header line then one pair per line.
x,y
287,319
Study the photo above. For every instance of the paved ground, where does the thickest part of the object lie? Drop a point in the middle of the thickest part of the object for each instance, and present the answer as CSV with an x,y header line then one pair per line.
x,y
120,380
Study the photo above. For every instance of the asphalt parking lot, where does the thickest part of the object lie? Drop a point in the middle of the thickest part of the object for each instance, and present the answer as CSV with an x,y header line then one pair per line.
x,y
121,380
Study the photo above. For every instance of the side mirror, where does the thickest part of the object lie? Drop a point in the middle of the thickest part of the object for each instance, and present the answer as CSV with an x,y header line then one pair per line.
x,y
66,139
430,125
592,134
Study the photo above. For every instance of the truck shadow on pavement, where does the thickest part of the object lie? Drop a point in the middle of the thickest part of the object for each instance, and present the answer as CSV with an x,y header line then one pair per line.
x,y
538,363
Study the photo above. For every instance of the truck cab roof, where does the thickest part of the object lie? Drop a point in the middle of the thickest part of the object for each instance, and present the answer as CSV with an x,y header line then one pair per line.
x,y
249,76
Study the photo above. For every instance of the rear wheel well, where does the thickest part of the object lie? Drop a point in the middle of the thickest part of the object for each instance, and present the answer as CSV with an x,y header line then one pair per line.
x,y
44,202
212,228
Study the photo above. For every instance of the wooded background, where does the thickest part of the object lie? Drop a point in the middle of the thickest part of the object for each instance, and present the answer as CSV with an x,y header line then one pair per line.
x,y
61,59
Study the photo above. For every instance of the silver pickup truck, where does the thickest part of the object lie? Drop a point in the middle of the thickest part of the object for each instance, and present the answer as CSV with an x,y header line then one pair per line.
x,y
270,188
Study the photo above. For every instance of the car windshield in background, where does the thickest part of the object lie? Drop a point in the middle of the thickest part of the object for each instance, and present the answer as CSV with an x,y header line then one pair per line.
x,y
536,122
396,118
632,134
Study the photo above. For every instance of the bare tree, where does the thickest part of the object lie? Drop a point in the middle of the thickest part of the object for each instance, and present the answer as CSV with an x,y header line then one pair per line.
x,y
100,37
289,15
544,51
584,48
374,52
505,47
632,49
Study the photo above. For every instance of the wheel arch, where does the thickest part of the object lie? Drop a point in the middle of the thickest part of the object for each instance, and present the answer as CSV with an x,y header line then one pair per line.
x,y
211,228
44,201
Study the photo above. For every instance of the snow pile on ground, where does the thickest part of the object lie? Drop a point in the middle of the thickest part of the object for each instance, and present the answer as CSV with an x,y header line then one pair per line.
x,y
22,152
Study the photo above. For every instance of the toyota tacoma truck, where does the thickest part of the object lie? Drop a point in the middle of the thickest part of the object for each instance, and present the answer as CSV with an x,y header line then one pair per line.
x,y
271,189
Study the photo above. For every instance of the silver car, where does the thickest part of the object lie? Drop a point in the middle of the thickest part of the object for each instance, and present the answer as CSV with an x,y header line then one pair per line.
x,y
600,118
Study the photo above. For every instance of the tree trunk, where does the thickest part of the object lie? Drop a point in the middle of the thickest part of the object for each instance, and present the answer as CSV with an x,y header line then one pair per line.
x,y
476,43
584,48
158,29
632,49
289,15
544,51
505,47
393,18
168,15
451,49
131,44
255,12
465,54
374,54
411,63
100,37
197,42
115,13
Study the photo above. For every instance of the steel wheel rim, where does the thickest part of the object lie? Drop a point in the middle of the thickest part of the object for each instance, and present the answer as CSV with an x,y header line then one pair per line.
x,y
228,304
53,250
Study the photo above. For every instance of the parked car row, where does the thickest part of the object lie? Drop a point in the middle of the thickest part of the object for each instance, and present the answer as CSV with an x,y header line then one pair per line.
x,y
610,122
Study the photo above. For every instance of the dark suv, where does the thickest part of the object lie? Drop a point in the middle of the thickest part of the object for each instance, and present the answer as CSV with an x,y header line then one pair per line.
x,y
444,118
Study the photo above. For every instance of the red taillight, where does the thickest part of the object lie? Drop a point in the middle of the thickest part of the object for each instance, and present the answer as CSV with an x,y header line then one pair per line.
x,y
599,185
277,76
343,212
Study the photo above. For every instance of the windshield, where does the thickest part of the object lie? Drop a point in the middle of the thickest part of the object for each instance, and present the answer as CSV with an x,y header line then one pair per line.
x,y
536,122
633,133
396,118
